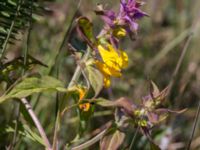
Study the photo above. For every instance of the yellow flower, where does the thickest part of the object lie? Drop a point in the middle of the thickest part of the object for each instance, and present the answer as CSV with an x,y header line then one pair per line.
x,y
82,92
119,32
113,62
85,107
106,81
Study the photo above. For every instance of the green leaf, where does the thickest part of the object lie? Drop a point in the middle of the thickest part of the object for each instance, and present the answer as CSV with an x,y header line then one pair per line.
x,y
112,141
95,78
85,26
104,102
26,132
153,146
32,85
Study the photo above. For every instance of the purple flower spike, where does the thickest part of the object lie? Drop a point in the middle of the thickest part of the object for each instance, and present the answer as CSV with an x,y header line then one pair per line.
x,y
129,12
109,17
126,18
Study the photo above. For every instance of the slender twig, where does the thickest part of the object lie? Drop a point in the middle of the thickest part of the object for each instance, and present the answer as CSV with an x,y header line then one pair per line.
x,y
73,81
194,127
133,139
66,38
170,46
75,77
78,70
17,108
185,48
194,27
10,29
37,123
28,35
90,142
69,108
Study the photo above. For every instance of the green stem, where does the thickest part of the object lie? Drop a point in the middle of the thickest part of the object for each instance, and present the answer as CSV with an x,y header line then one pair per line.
x,y
78,70
17,108
28,36
18,105
73,81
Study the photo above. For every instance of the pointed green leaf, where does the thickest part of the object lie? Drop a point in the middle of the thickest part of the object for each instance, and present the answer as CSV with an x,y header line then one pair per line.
x,y
95,78
33,85
104,102
26,132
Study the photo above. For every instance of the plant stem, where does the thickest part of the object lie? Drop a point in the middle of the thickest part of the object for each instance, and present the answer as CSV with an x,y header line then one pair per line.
x,y
75,77
73,81
65,40
78,70
25,62
17,111
185,48
133,139
28,36
37,123
194,126
170,46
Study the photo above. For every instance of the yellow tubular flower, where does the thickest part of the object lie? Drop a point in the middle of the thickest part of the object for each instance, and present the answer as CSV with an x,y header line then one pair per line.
x,y
113,62
85,107
82,93
106,81
119,32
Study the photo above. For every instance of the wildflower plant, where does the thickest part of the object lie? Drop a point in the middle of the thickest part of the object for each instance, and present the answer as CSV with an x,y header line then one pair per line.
x,y
102,61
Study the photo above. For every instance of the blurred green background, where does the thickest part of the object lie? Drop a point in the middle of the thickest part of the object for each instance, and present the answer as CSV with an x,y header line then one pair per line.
x,y
153,56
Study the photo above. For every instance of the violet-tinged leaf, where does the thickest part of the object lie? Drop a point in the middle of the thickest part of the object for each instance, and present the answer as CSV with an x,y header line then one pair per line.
x,y
154,91
153,117
112,141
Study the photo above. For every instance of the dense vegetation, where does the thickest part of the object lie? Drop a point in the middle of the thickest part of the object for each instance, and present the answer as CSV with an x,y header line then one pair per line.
x,y
99,74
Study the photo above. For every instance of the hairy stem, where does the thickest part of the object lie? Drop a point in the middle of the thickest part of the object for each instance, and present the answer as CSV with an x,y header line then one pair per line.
x,y
37,123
